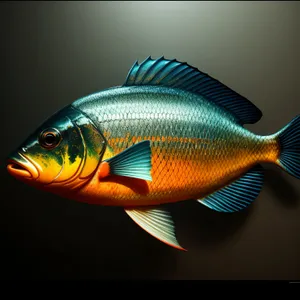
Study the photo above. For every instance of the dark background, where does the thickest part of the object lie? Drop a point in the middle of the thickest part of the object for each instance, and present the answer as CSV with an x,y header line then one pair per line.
x,y
56,52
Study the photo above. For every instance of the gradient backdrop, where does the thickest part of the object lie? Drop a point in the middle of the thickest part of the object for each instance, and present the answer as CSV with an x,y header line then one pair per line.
x,y
56,52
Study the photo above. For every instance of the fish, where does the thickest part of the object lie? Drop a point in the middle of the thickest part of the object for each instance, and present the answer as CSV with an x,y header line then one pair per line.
x,y
170,133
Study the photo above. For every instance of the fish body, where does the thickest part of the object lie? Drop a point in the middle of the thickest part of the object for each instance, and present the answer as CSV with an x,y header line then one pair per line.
x,y
170,133
197,147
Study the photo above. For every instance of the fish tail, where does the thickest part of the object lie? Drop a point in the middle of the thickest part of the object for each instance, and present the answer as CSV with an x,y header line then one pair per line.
x,y
289,147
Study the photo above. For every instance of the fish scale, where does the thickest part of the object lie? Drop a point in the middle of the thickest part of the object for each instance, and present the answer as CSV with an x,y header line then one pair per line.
x,y
164,115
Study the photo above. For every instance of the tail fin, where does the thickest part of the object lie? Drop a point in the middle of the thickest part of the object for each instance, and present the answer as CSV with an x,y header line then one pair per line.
x,y
289,141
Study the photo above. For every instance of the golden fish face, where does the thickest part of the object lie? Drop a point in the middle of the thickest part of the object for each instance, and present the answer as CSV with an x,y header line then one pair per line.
x,y
63,152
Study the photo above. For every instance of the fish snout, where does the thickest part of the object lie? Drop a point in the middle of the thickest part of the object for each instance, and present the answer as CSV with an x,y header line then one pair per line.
x,y
21,167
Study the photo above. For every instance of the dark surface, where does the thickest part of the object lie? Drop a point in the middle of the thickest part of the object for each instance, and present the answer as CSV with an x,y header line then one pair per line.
x,y
54,53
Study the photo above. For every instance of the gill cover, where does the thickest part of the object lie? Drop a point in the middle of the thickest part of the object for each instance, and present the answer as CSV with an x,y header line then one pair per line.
x,y
77,151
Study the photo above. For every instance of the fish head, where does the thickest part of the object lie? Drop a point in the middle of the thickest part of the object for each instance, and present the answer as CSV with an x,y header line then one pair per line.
x,y
61,154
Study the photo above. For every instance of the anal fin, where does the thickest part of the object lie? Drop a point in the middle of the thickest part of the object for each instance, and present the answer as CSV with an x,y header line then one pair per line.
x,y
239,194
157,222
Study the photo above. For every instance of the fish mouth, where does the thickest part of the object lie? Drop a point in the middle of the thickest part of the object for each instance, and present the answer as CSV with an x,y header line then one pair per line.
x,y
19,166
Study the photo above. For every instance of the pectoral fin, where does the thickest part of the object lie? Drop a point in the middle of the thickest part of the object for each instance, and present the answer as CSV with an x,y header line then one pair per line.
x,y
157,222
133,162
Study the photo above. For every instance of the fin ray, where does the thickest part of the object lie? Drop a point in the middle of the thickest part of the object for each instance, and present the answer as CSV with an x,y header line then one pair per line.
x,y
133,162
239,194
289,141
175,74
157,222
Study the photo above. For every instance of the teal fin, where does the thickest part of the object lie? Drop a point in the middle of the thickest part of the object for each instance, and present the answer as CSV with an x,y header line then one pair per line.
x,y
133,162
238,195
175,74
289,140
157,222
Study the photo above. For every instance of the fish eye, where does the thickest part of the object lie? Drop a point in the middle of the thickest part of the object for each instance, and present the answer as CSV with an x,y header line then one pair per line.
x,y
50,138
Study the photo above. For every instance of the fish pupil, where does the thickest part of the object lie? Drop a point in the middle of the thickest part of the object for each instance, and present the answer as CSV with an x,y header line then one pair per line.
x,y
50,139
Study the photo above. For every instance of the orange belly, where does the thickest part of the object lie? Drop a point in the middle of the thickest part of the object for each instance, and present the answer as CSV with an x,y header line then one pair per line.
x,y
178,174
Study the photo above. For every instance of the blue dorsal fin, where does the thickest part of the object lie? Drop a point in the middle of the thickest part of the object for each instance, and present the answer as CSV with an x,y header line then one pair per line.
x,y
175,74
238,195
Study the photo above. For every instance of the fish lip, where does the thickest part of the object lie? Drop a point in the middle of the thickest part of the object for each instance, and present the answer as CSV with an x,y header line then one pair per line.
x,y
18,165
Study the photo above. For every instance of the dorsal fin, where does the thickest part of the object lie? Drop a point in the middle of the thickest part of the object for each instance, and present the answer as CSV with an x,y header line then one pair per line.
x,y
175,74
